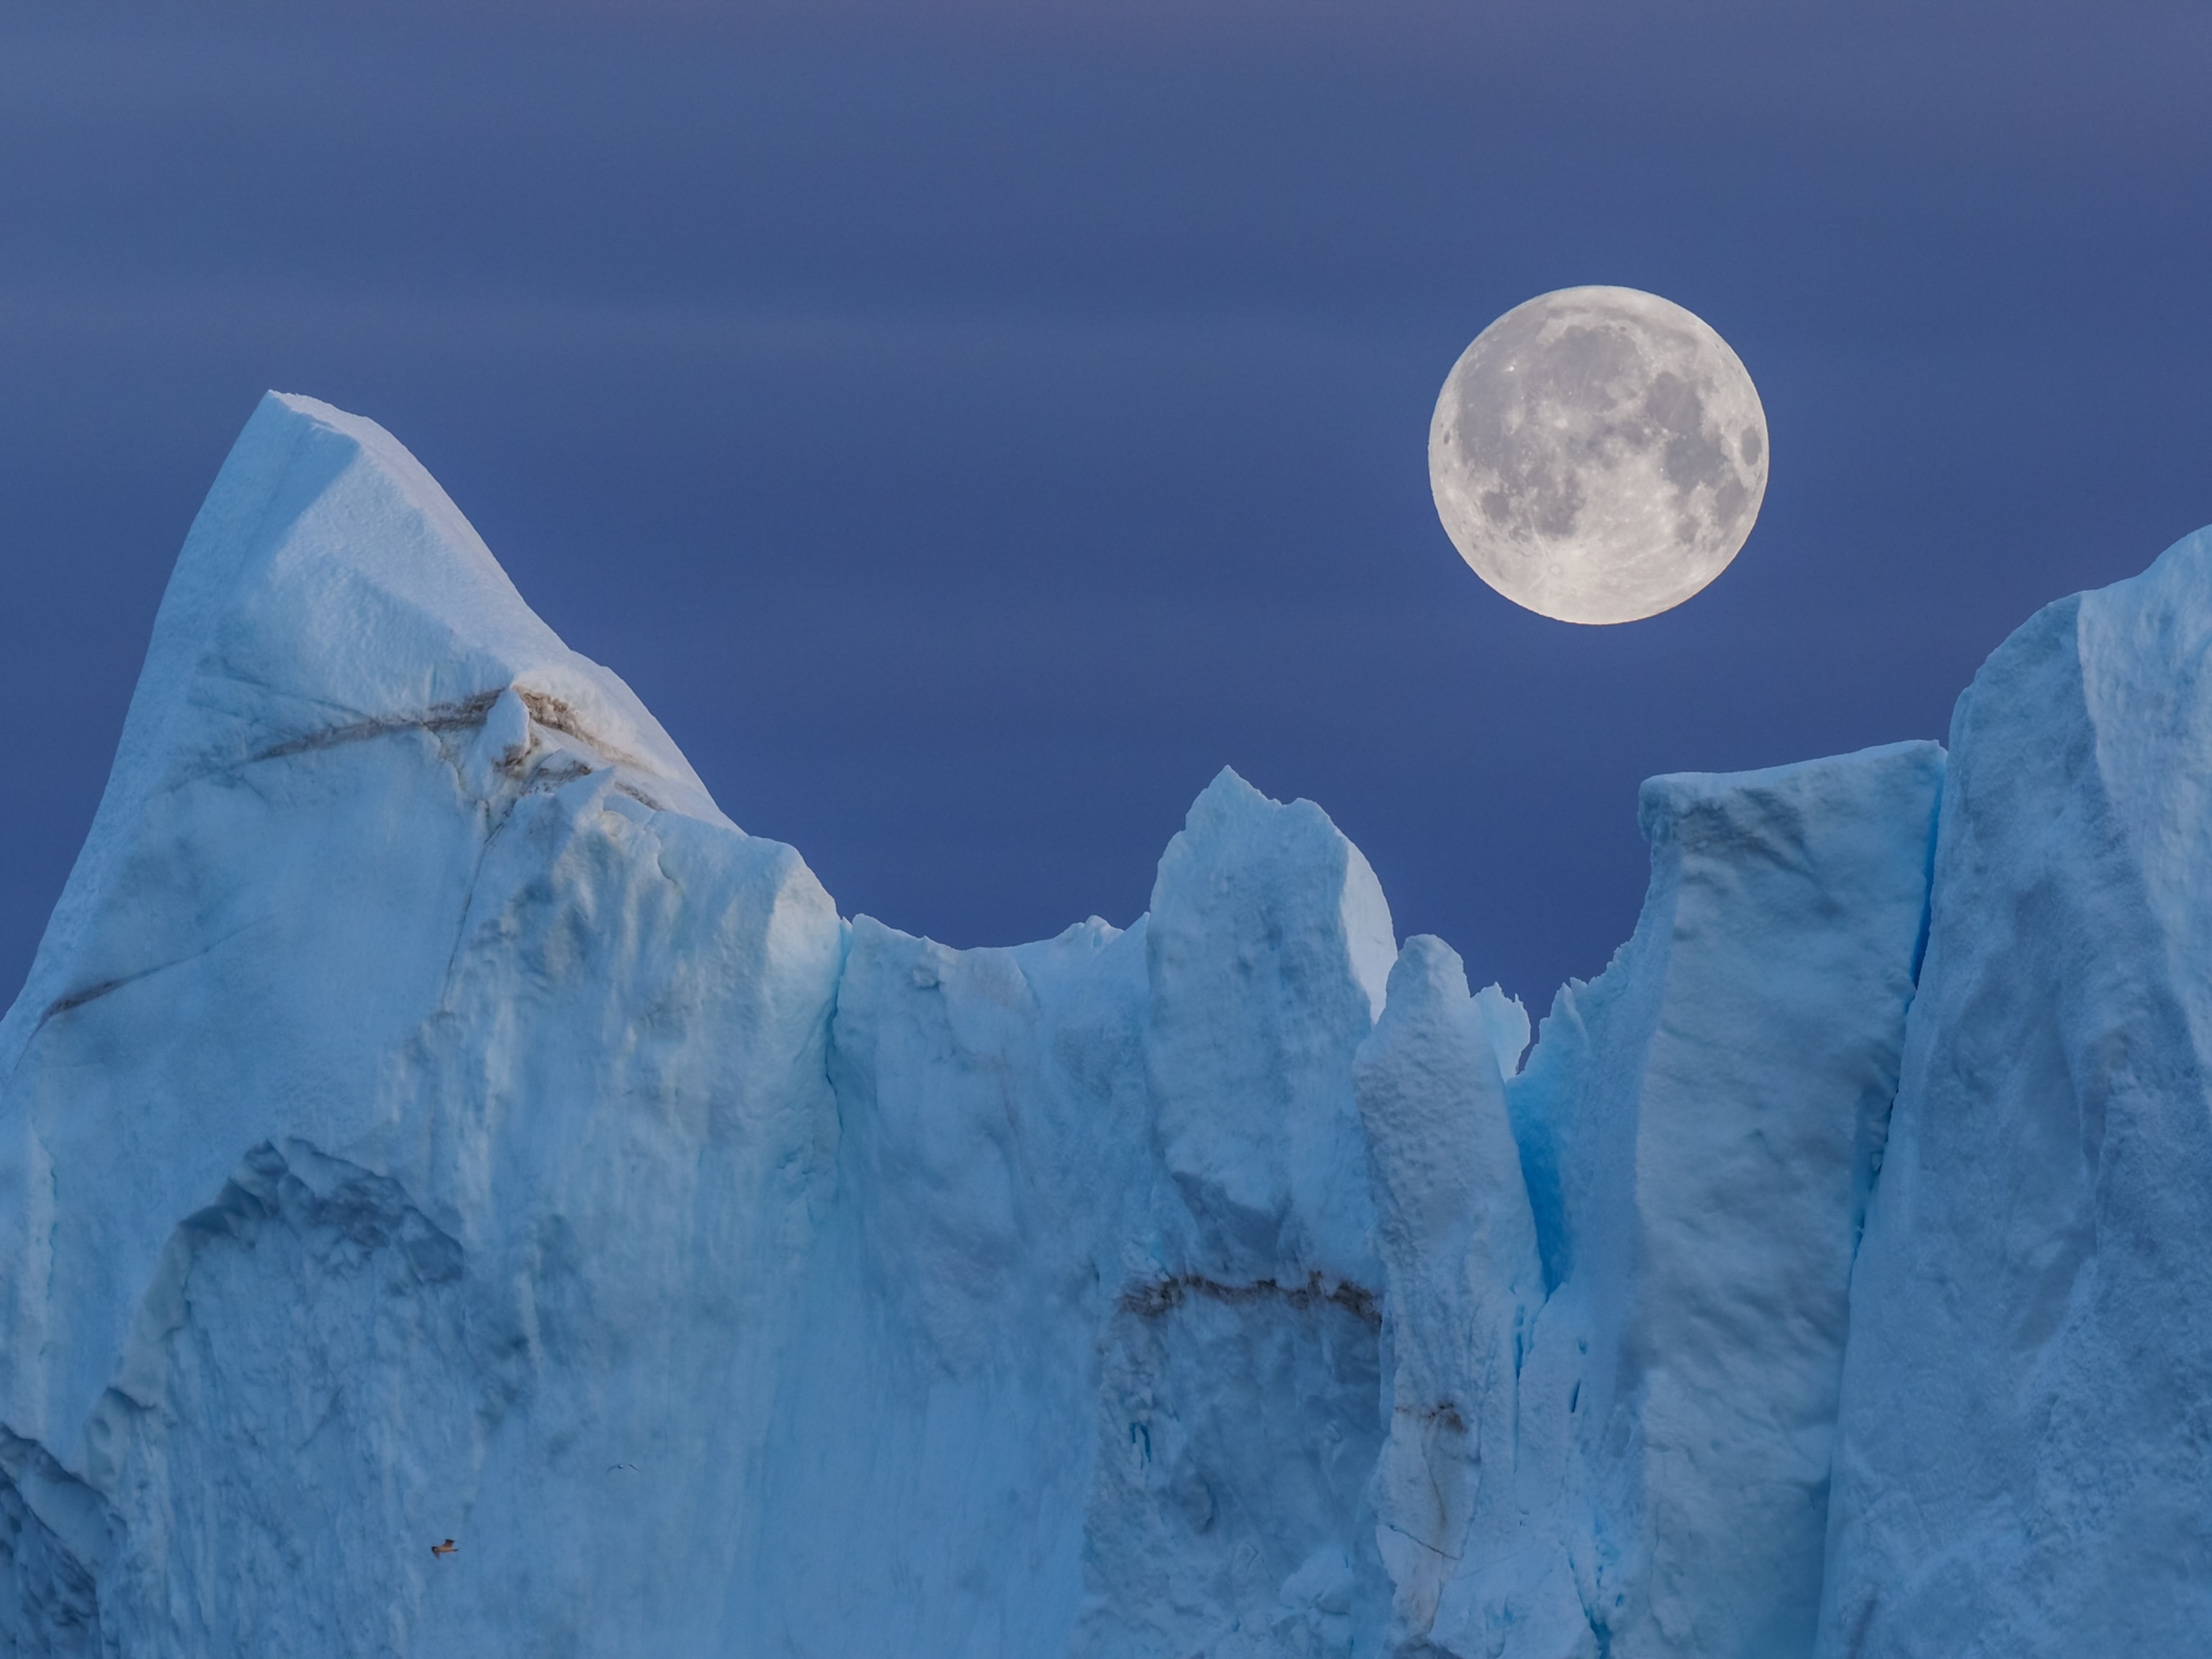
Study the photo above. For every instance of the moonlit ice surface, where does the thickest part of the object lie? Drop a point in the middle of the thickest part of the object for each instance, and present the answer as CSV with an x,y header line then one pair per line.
x,y
1598,454
429,1117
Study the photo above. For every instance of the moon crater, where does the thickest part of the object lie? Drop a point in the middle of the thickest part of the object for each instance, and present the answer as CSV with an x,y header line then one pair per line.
x,y
1598,454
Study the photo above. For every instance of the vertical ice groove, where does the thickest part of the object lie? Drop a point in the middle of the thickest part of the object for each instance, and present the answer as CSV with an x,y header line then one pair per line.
x,y
1698,1125
1459,1251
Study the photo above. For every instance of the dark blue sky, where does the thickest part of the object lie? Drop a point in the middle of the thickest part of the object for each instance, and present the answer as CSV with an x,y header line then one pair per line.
x,y
970,426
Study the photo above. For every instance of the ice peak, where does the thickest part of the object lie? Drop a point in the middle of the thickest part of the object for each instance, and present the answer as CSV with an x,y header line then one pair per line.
x,y
331,574
330,586
330,593
1222,798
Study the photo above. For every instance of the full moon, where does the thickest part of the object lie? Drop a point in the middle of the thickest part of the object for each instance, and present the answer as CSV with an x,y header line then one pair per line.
x,y
1598,454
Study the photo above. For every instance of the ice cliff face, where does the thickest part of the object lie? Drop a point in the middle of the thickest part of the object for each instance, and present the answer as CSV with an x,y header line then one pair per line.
x,y
2027,1464
429,1117
412,1114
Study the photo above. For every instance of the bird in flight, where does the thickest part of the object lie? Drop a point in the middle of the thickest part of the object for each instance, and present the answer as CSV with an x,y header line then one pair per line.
x,y
446,1548
632,1468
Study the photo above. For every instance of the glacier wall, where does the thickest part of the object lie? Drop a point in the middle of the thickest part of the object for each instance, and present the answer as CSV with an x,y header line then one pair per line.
x,y
429,1118
2027,1464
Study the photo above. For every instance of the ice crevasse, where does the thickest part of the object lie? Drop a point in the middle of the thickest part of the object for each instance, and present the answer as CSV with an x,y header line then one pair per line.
x,y
429,1117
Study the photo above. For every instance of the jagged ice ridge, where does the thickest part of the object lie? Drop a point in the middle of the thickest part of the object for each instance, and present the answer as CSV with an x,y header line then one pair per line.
x,y
428,1116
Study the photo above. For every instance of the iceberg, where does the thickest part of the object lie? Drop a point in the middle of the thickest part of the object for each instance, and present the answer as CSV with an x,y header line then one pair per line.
x,y
461,1195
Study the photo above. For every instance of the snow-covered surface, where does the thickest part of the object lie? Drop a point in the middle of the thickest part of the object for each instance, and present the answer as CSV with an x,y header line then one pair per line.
x,y
429,1117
